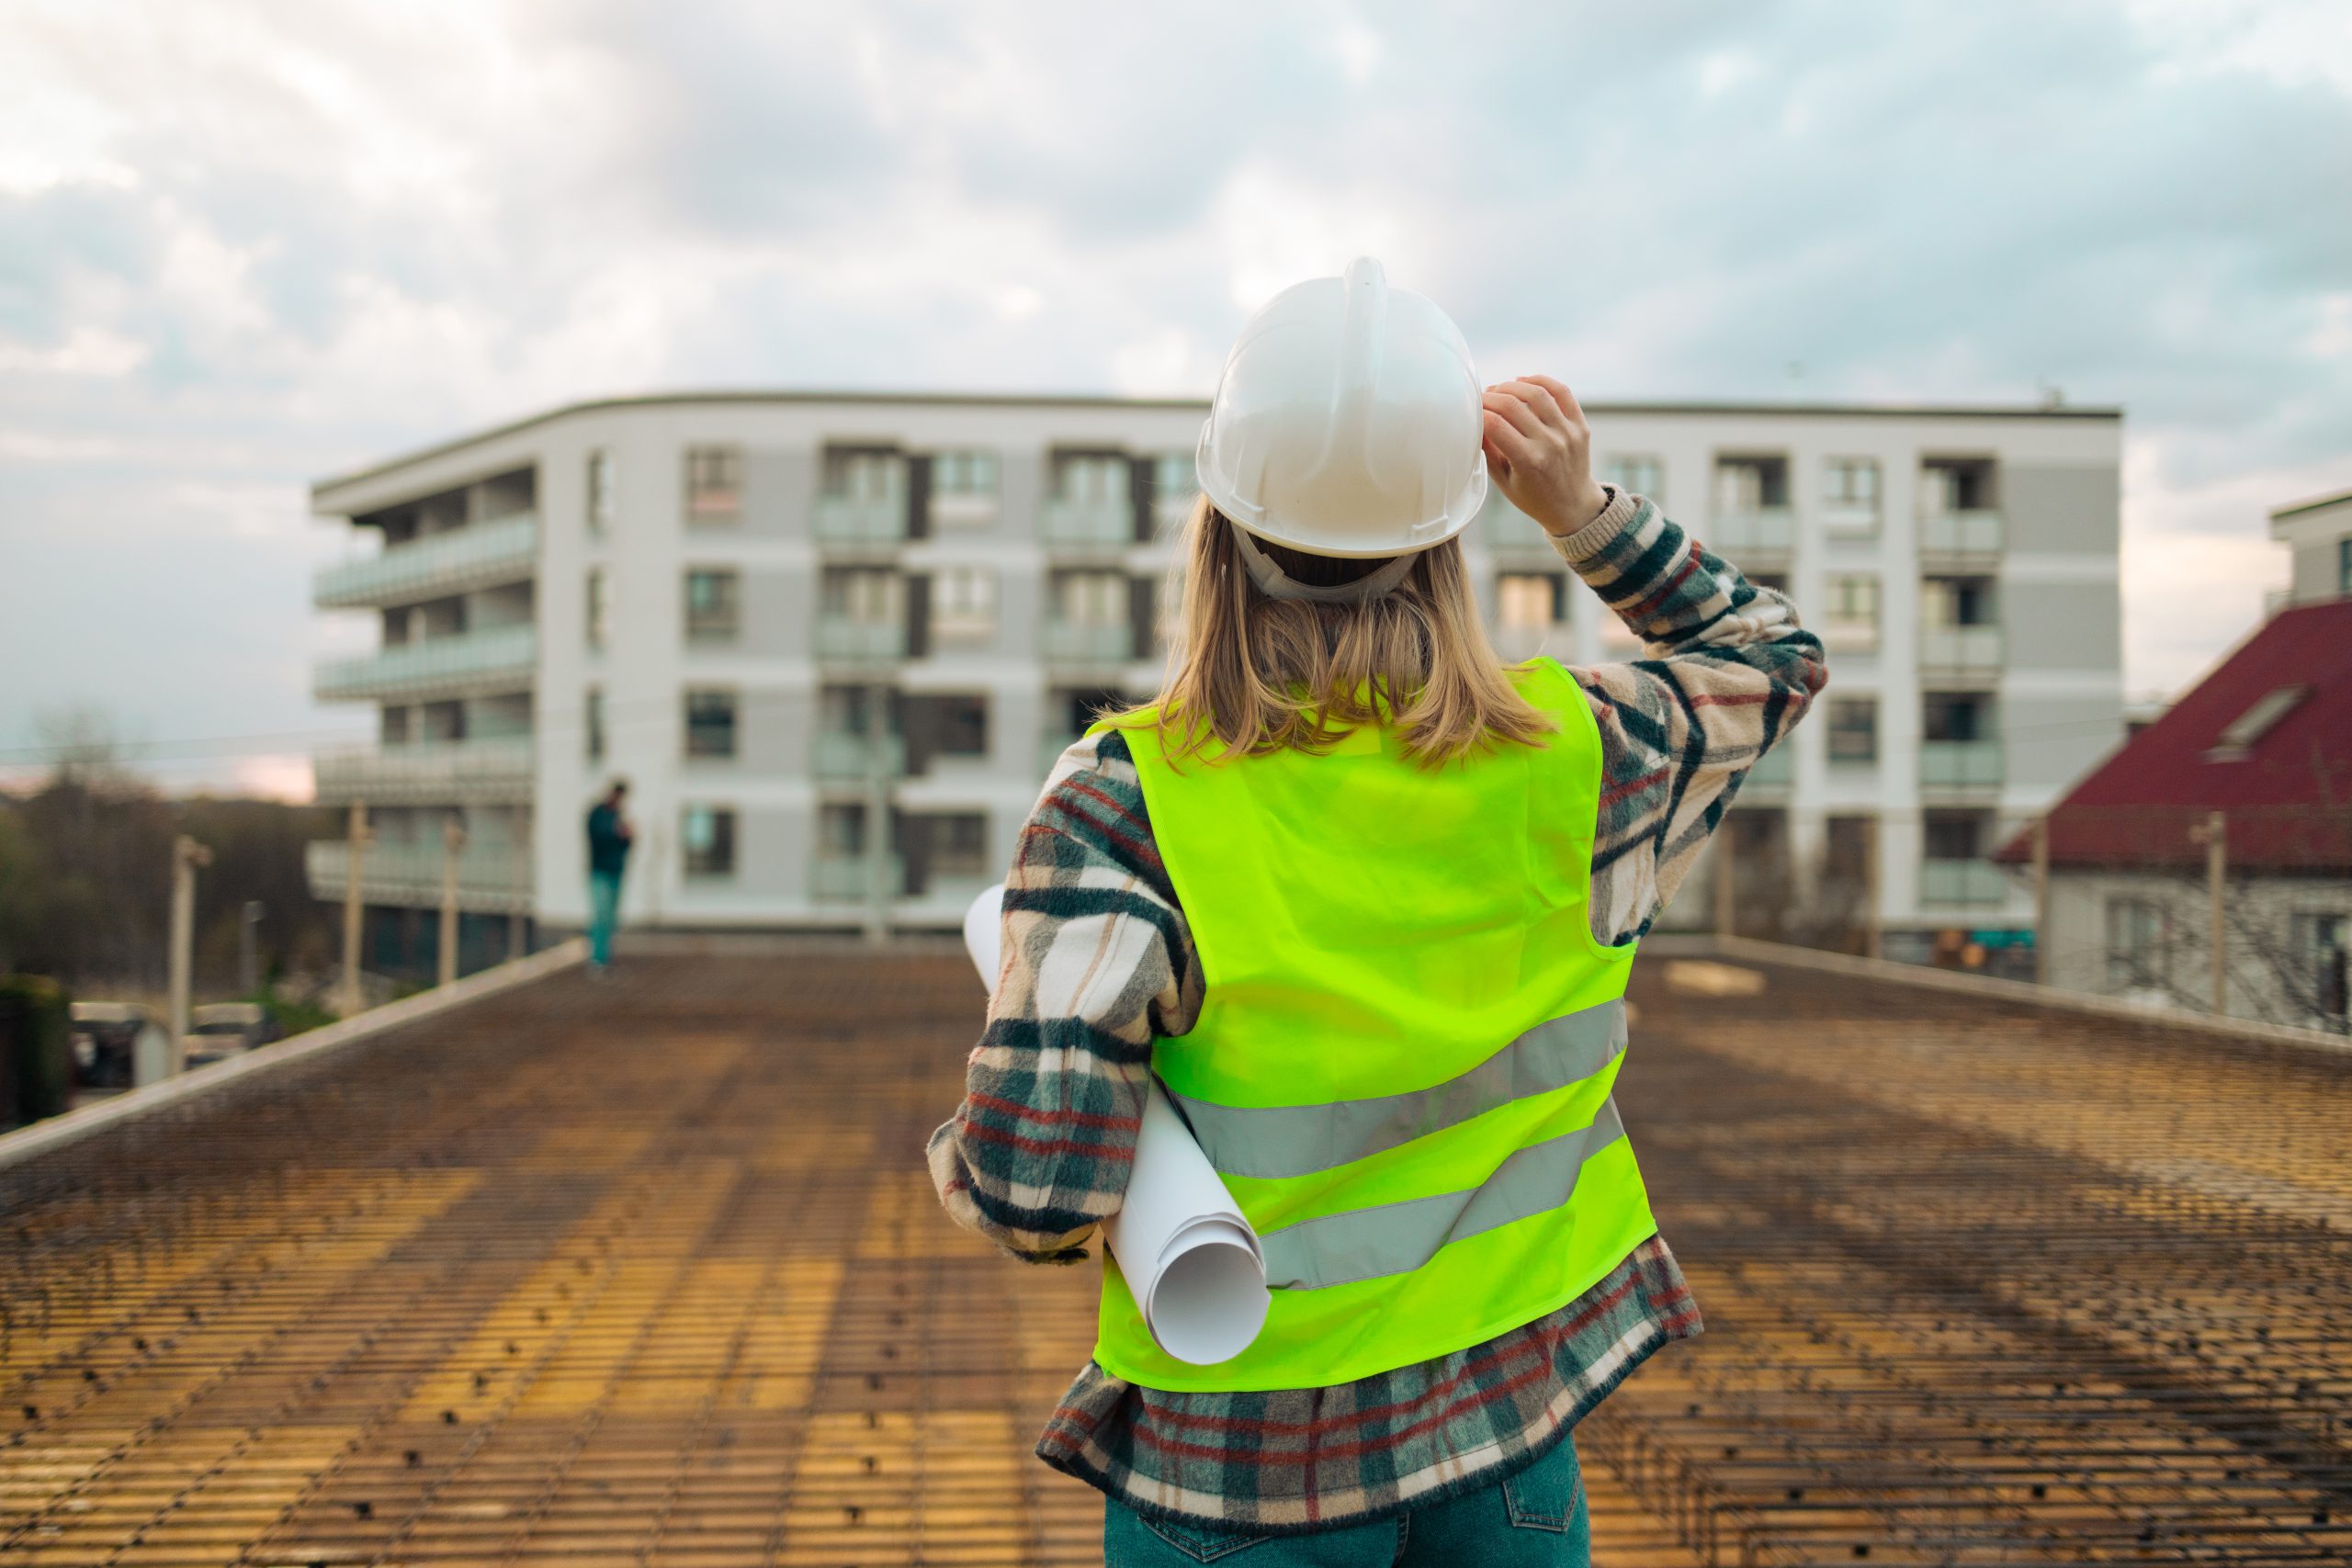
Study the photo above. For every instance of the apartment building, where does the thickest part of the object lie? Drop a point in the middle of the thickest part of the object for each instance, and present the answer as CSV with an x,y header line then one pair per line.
x,y
833,640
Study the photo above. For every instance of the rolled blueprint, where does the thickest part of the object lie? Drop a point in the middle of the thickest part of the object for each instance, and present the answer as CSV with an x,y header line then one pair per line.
x,y
1194,1265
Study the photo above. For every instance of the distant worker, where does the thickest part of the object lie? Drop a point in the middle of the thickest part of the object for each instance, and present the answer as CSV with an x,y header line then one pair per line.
x,y
1366,898
610,835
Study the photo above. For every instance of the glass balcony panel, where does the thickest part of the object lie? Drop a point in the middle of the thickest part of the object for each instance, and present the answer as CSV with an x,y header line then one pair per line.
x,y
1770,530
1519,644
457,561
1959,764
1776,769
847,756
1075,642
1962,882
427,773
1963,649
497,658
1960,534
874,516
845,879
838,637
491,877
1101,520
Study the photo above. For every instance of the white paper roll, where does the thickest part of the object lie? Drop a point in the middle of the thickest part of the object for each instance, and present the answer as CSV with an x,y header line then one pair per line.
x,y
1191,1259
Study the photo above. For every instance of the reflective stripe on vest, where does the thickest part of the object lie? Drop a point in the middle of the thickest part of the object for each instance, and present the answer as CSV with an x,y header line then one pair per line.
x,y
1407,1046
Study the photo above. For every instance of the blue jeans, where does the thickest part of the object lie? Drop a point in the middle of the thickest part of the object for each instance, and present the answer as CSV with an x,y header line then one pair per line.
x,y
603,914
1535,1519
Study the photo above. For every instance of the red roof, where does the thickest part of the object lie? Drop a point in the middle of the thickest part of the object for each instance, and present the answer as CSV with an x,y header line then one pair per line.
x,y
2287,789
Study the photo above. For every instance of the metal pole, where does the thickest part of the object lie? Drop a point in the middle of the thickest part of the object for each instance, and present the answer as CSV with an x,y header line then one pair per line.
x,y
355,839
2042,899
249,948
453,838
186,855
1869,887
2217,864
1726,911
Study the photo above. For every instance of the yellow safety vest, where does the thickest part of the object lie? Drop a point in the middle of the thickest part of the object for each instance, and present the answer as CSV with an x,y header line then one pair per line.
x,y
1403,1061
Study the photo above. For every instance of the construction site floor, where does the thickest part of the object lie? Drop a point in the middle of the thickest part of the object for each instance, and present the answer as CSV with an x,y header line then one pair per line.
x,y
650,1271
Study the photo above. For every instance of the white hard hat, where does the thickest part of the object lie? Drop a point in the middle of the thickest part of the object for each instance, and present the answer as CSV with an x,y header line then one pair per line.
x,y
1348,421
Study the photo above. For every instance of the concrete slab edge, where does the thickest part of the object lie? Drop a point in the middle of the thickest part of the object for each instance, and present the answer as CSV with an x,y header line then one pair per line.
x,y
41,1138
1993,989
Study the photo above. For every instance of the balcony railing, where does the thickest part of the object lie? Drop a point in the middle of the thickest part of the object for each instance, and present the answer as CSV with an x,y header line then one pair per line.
x,y
1961,650
459,561
1099,521
1776,771
1959,764
840,879
491,878
879,518
1770,530
845,756
1072,642
1962,882
1506,527
495,659
1965,533
427,773
1845,634
838,637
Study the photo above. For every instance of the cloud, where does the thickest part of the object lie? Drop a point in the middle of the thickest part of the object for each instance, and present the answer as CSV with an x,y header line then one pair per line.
x,y
247,244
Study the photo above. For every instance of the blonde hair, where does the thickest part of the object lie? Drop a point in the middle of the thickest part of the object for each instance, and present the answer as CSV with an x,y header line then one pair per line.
x,y
1259,675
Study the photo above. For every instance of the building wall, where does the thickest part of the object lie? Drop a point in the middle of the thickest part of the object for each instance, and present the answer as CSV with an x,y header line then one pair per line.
x,y
2262,983
2058,700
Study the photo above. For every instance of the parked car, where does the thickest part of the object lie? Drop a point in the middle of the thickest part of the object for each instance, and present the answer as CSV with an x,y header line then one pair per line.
x,y
108,1040
221,1030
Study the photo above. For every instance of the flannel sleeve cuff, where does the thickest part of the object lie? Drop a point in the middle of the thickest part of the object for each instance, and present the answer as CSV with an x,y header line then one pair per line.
x,y
1597,535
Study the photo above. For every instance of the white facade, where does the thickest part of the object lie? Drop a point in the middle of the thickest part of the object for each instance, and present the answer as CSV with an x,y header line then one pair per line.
x,y
1963,564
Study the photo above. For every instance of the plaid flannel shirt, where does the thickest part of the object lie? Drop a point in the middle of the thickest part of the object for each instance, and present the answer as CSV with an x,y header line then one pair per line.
x,y
1098,963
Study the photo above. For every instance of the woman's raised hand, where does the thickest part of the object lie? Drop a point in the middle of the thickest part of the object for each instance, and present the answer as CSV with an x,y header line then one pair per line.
x,y
1539,450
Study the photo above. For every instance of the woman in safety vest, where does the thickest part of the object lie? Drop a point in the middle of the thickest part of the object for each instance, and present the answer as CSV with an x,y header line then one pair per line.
x,y
1364,899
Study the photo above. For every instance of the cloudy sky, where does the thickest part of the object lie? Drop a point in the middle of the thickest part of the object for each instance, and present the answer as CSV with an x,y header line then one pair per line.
x,y
244,244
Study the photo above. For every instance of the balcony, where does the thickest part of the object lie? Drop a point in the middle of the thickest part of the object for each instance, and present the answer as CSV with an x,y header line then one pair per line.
x,y
1960,651
428,772
1960,764
841,640
876,515
1506,527
1848,634
1100,520
1071,642
834,879
459,561
1962,882
1767,530
497,659
1774,774
1517,645
491,878
1961,536
840,755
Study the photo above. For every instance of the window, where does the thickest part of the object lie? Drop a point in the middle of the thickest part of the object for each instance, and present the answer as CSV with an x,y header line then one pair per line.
x,y
714,484
1956,716
1953,835
599,490
959,845
1849,495
709,834
594,712
2237,741
1172,476
840,830
1641,474
855,474
713,604
1956,601
1852,600
1092,598
964,473
1853,730
710,723
2139,944
1746,484
598,620
868,596
1532,601
1949,485
963,603
1090,478
2320,944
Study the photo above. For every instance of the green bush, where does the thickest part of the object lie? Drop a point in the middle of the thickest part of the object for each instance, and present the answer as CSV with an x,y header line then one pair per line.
x,y
36,1049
